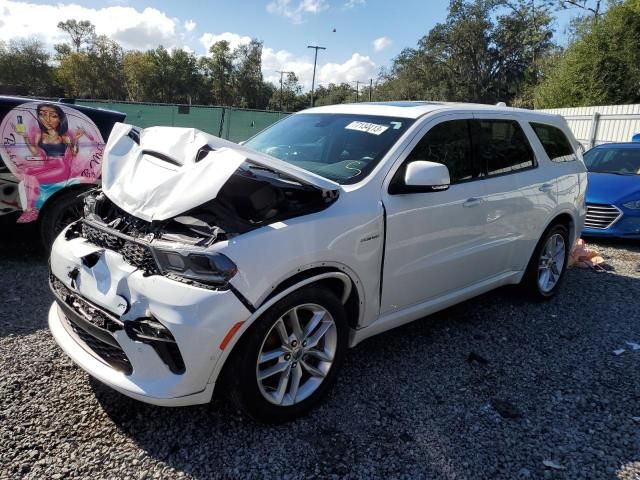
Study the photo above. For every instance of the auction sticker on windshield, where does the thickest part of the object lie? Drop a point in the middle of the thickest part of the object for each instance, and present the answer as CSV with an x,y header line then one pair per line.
x,y
366,127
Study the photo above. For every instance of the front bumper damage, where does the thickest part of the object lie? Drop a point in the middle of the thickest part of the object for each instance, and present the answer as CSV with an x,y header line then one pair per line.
x,y
105,315
144,297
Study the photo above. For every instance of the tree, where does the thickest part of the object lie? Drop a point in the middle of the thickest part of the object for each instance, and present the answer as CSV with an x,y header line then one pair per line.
x,y
81,32
601,66
94,71
219,68
290,97
250,91
334,94
137,68
106,71
595,8
175,75
25,69
485,51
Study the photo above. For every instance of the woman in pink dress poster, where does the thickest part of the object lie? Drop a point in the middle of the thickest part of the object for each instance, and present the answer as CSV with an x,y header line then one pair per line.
x,y
50,145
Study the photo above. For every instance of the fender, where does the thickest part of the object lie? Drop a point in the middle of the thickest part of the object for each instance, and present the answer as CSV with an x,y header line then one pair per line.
x,y
343,277
574,234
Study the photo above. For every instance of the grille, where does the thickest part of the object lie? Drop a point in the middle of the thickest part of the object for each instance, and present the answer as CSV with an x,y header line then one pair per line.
x,y
114,356
601,216
82,307
133,253
111,354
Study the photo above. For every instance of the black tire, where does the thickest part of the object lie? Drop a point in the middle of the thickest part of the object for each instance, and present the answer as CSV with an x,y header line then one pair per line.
x,y
240,372
530,285
59,212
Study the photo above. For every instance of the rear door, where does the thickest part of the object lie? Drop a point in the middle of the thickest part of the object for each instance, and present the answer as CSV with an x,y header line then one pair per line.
x,y
515,188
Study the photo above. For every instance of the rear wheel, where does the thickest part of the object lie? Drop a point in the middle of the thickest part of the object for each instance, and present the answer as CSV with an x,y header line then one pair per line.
x,y
548,264
60,212
289,359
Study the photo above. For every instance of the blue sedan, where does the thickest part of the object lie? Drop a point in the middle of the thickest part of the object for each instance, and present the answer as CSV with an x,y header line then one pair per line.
x,y
613,194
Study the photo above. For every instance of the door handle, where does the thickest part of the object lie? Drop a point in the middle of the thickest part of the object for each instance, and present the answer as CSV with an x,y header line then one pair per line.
x,y
472,202
546,187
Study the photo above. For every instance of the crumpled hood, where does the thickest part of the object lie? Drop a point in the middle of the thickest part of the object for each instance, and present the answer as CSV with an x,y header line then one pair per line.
x,y
159,177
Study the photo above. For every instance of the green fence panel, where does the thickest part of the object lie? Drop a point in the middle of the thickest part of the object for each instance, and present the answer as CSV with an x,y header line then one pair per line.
x,y
206,119
146,115
233,124
239,125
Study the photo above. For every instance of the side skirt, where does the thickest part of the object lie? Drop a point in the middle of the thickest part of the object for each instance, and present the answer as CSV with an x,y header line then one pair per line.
x,y
415,312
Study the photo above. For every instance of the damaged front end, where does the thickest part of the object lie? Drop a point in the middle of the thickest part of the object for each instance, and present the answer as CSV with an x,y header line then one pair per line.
x,y
165,202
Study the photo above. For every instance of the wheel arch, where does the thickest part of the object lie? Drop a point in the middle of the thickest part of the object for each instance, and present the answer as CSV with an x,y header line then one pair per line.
x,y
337,279
563,218
560,218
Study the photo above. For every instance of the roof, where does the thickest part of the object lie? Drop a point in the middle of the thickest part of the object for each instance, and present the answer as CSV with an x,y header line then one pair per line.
x,y
619,145
15,100
417,109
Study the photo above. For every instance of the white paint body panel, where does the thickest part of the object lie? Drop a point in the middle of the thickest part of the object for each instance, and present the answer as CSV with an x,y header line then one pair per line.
x,y
436,252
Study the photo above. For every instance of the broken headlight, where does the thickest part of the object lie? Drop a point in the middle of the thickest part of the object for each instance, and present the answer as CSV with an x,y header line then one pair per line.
x,y
210,268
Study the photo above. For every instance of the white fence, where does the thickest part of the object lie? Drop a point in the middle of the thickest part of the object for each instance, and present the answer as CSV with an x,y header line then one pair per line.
x,y
596,125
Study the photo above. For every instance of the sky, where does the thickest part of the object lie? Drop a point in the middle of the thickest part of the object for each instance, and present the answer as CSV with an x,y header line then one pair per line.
x,y
360,36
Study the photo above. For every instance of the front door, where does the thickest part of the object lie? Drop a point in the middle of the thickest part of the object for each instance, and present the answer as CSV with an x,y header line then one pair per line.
x,y
435,240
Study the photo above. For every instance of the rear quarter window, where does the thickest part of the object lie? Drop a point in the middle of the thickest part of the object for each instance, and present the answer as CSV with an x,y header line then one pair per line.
x,y
554,142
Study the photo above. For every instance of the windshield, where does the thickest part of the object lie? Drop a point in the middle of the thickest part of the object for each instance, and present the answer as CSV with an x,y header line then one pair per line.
x,y
621,161
340,147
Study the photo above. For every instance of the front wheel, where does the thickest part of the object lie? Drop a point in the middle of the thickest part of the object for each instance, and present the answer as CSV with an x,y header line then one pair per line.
x,y
546,269
290,357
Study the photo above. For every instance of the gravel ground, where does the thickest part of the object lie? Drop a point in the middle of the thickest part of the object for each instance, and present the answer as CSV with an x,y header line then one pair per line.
x,y
493,388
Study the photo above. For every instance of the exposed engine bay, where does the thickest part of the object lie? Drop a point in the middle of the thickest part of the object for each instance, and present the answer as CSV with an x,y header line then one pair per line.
x,y
252,197
170,193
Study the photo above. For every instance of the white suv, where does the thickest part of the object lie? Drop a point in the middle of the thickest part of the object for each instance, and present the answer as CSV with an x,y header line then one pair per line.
x,y
203,264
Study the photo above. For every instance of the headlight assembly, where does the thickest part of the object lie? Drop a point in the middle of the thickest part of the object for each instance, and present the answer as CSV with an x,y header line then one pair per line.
x,y
633,205
210,268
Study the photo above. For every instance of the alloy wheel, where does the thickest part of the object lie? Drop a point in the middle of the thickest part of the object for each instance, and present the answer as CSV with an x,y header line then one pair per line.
x,y
551,262
296,354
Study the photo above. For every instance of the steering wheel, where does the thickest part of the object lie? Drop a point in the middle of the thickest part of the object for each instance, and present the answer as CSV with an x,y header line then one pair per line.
x,y
282,152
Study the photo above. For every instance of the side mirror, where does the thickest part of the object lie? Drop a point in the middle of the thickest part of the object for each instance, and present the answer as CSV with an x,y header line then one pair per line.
x,y
422,176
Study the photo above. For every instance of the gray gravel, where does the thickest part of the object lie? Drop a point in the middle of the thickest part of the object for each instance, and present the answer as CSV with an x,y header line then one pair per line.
x,y
493,388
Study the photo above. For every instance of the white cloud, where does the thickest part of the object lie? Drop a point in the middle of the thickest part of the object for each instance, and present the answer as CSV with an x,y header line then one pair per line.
x,y
357,67
130,27
296,10
354,3
234,39
282,60
148,28
379,44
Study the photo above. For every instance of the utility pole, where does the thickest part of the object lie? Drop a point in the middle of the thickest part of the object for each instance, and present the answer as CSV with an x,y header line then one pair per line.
x,y
281,72
358,82
370,89
315,61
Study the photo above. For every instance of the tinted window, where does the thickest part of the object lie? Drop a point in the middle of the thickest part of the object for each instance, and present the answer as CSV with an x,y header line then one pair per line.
x,y
341,147
555,142
501,146
448,143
